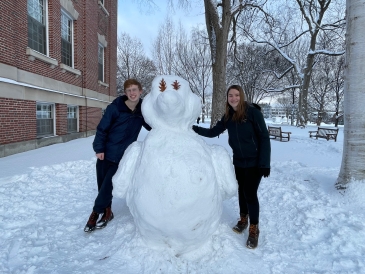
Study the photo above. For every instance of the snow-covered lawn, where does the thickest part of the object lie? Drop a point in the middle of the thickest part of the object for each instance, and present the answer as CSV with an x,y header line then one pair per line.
x,y
307,226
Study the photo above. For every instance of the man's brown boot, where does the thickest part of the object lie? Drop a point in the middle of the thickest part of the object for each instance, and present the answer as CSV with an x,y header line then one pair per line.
x,y
107,216
91,223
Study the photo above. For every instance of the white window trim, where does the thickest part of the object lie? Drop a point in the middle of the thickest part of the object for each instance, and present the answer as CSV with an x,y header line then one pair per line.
x,y
101,5
102,83
102,40
72,38
77,116
65,67
47,26
69,69
33,54
53,115
69,7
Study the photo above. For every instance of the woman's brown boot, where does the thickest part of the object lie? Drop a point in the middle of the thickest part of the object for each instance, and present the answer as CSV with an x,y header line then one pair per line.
x,y
253,236
241,225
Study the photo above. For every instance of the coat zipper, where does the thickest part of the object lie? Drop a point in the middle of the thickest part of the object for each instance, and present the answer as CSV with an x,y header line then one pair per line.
x,y
238,140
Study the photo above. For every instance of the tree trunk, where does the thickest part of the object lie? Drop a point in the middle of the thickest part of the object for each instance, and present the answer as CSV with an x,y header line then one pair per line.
x,y
336,119
218,29
303,107
219,90
353,156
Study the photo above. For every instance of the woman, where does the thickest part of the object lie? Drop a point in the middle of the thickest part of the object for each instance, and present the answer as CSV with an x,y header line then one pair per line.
x,y
250,142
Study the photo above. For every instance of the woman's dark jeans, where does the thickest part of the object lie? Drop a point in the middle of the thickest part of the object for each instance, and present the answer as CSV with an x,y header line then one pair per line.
x,y
248,180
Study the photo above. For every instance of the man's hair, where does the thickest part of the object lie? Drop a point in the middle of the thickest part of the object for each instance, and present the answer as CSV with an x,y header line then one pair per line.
x,y
130,82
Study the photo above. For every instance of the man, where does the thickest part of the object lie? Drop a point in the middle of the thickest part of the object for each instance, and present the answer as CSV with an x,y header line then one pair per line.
x,y
118,128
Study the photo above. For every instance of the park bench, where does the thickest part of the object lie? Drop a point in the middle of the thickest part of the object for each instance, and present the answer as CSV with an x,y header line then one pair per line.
x,y
277,133
326,133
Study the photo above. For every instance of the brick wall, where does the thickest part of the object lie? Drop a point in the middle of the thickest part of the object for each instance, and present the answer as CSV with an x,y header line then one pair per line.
x,y
113,46
91,20
18,120
61,119
8,32
89,118
18,117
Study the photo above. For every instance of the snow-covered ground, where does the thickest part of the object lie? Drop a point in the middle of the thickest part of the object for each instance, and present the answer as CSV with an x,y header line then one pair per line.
x,y
307,226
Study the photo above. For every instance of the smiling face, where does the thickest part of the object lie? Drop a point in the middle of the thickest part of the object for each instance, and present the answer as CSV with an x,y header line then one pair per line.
x,y
133,93
233,98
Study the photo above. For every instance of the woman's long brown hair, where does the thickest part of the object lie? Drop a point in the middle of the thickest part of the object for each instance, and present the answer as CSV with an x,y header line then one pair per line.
x,y
240,114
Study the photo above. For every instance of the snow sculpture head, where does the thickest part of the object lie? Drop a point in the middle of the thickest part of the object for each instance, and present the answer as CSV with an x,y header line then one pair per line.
x,y
174,183
171,104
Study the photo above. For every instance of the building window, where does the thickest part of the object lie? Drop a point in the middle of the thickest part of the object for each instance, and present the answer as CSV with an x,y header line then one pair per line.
x,y
45,123
37,25
101,63
66,39
71,119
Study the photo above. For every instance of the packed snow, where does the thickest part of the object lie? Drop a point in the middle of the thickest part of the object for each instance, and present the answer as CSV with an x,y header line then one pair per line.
x,y
306,225
173,182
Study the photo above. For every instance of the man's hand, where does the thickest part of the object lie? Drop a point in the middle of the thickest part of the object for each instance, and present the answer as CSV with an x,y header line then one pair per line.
x,y
100,156
264,171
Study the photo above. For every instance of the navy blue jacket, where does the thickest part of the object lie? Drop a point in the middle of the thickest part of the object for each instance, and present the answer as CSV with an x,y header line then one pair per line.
x,y
118,128
249,139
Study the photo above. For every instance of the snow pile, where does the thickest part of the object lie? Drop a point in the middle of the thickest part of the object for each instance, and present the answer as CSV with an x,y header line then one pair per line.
x,y
174,183
306,225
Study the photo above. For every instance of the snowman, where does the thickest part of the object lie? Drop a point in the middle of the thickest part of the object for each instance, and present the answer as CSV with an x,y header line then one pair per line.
x,y
173,182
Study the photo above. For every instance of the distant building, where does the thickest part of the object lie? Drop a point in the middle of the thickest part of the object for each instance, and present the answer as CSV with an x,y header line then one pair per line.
x,y
270,111
57,70
277,111
266,110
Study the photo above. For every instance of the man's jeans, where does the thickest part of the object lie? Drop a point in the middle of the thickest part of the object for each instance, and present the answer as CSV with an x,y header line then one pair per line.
x,y
105,171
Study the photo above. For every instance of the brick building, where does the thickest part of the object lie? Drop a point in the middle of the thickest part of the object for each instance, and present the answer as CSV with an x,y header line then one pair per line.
x,y
57,70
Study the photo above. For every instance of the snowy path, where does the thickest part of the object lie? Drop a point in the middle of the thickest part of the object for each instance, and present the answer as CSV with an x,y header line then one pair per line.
x,y
306,225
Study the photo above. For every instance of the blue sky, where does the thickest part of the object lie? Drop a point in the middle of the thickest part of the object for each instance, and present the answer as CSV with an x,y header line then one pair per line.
x,y
143,23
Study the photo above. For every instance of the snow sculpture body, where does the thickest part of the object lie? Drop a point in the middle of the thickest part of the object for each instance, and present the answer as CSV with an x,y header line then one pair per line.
x,y
174,183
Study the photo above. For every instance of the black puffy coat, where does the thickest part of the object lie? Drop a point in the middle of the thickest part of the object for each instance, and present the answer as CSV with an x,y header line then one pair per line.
x,y
249,139
118,128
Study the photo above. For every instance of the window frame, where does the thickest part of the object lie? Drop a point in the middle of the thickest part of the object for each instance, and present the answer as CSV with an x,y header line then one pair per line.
x,y
52,124
64,14
76,113
101,47
45,25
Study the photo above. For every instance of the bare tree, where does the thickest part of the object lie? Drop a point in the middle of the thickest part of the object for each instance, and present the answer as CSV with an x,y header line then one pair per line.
x,y
133,62
193,63
326,87
338,87
321,92
164,47
251,67
285,101
282,33
208,105
176,52
220,18
353,156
